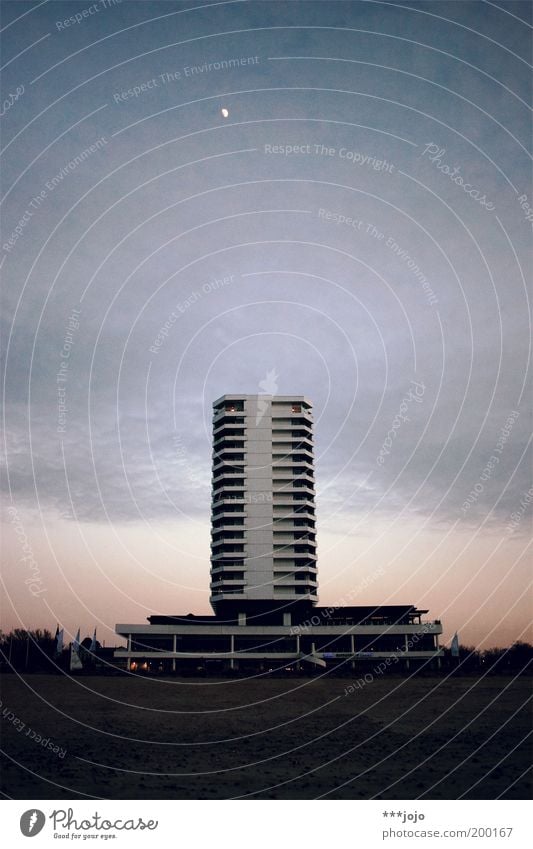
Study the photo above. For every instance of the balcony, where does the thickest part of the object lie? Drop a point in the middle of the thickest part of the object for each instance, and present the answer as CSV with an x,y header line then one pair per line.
x,y
291,473
219,595
288,528
292,484
224,581
227,549
229,455
229,537
229,499
228,472
290,592
228,483
227,511
307,561
285,552
226,559
229,436
233,424
228,523
228,408
233,571
283,426
310,586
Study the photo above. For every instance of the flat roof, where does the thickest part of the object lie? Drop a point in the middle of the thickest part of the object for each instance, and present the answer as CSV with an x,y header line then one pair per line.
x,y
240,397
390,611
185,618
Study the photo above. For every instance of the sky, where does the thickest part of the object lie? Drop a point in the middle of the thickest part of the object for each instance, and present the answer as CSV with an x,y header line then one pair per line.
x,y
331,199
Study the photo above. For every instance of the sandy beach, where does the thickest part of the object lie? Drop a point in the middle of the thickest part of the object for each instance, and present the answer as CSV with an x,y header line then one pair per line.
x,y
290,738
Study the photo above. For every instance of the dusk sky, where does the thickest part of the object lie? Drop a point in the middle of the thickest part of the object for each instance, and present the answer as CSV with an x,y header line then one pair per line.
x,y
330,199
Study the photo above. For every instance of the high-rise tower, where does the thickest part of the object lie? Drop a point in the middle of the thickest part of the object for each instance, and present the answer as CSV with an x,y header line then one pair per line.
x,y
263,567
263,539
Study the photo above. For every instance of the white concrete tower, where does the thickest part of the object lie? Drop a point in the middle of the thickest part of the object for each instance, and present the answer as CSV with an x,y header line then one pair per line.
x,y
263,547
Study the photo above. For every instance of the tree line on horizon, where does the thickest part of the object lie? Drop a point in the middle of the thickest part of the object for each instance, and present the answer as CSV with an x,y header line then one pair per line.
x,y
35,651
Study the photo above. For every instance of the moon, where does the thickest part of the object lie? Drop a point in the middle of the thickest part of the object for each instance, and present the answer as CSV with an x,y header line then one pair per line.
x,y
224,112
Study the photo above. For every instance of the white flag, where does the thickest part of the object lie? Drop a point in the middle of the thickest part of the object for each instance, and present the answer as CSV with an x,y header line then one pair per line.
x,y
59,641
455,645
75,660
93,642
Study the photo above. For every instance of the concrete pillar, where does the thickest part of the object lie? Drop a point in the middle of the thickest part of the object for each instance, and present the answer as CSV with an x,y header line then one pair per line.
x,y
437,649
174,650
406,650
128,662
242,618
286,618
232,649
352,648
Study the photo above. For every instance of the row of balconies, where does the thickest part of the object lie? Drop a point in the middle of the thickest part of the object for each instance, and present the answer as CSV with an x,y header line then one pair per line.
x,y
279,458
236,491
295,501
285,593
279,473
222,554
282,518
284,527
282,436
278,411
232,534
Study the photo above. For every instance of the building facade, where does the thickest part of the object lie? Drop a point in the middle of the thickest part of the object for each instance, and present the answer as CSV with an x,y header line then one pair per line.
x,y
340,640
263,525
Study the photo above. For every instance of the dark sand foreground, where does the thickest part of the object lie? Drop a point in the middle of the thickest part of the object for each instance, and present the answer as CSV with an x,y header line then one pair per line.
x,y
301,738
